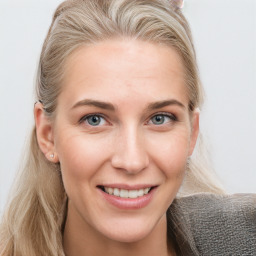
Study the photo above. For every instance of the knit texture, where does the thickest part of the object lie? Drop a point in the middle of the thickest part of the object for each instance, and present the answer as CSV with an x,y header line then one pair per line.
x,y
217,225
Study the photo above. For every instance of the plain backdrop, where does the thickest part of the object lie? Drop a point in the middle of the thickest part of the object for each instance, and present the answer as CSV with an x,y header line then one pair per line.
x,y
224,33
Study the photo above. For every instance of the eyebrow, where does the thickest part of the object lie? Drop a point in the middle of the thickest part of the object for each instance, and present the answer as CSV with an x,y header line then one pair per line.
x,y
164,103
109,106
95,103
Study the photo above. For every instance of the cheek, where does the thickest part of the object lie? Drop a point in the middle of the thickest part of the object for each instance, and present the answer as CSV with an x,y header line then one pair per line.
x,y
171,153
80,156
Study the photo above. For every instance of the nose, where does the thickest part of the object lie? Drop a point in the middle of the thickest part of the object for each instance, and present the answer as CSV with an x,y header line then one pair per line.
x,y
130,153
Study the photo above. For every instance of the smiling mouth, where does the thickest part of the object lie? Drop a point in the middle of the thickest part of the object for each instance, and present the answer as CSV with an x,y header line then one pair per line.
x,y
125,193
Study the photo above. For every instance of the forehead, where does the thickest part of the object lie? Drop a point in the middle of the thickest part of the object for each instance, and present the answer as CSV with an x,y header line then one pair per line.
x,y
124,68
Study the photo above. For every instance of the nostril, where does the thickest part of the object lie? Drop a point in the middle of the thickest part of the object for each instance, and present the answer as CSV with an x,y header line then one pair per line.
x,y
130,164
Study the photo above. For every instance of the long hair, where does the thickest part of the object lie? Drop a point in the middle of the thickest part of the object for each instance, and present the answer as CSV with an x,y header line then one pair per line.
x,y
33,221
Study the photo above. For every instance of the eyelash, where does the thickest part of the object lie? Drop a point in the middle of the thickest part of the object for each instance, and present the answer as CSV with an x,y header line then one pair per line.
x,y
86,117
164,114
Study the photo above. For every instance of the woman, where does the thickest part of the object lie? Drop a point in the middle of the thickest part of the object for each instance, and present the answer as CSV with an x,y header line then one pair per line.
x,y
116,123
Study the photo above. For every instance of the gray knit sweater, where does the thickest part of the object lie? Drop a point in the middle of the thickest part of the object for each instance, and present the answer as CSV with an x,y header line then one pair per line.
x,y
207,224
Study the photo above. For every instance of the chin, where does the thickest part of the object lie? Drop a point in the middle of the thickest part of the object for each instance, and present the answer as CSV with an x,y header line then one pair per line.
x,y
127,236
130,231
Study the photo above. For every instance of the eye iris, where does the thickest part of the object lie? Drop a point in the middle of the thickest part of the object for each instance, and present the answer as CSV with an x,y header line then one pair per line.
x,y
94,120
159,119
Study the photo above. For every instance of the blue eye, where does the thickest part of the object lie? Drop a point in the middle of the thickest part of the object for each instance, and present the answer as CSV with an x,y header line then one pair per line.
x,y
160,119
94,120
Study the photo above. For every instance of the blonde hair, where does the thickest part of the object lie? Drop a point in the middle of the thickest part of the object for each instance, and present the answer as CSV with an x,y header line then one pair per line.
x,y
33,221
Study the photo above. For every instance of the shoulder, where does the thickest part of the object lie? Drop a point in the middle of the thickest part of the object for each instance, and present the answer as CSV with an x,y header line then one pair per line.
x,y
220,224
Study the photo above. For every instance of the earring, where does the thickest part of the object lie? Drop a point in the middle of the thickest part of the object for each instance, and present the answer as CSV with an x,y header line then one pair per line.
x,y
51,155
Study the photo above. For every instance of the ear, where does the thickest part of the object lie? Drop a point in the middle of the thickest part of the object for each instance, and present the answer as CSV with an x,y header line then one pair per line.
x,y
194,130
44,133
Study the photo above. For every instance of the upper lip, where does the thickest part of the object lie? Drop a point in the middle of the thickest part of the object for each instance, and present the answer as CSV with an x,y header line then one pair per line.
x,y
127,186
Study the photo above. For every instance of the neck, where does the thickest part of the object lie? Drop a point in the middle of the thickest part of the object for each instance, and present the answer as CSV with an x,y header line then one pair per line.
x,y
80,239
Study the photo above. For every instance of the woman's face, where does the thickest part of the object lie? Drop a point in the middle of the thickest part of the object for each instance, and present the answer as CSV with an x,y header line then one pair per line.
x,y
123,134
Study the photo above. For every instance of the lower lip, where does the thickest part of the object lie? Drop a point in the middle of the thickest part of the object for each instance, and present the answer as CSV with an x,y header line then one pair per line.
x,y
129,203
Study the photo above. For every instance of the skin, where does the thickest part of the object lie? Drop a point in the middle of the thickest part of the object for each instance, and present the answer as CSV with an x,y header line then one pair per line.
x,y
127,146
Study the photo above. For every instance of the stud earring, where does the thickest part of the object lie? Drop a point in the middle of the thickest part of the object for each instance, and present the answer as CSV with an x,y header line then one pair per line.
x,y
51,155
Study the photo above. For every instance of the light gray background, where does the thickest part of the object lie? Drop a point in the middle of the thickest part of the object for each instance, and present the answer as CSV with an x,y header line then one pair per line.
x,y
225,38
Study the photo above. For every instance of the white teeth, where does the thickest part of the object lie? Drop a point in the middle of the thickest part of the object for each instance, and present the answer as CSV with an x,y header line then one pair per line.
x,y
116,192
110,191
146,190
133,194
124,193
141,192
